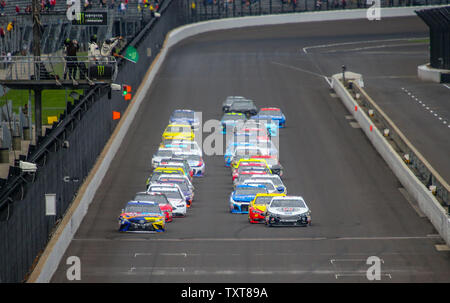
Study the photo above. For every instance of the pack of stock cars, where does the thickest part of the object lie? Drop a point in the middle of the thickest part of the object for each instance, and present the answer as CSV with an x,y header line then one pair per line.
x,y
258,189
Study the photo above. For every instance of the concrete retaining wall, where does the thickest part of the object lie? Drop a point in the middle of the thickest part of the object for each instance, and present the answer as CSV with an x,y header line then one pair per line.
x,y
66,230
425,199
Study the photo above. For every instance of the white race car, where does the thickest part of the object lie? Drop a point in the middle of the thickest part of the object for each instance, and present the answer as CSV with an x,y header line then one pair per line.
x,y
288,210
173,194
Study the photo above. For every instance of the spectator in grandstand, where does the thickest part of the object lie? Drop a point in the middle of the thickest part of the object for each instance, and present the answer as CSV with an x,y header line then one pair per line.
x,y
8,59
17,9
122,7
2,6
108,47
25,109
28,9
72,48
94,51
318,5
87,4
2,33
193,10
10,26
344,4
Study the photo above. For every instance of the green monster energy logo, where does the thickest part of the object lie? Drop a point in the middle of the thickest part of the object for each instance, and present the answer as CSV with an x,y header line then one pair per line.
x,y
80,18
100,70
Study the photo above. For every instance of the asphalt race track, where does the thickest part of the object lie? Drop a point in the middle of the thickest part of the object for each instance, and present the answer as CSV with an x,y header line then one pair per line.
x,y
358,206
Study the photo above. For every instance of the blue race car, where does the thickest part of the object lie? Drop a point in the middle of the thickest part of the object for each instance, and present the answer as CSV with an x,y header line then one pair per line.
x,y
273,113
184,116
230,120
241,197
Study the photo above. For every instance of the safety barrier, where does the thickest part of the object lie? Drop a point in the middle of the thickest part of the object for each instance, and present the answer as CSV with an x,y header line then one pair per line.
x,y
408,170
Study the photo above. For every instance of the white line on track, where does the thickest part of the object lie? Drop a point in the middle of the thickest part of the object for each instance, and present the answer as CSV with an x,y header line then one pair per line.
x,y
369,47
387,238
304,71
305,49
435,114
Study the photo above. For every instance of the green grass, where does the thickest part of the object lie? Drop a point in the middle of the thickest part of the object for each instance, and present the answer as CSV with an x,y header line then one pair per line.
x,y
53,101
425,40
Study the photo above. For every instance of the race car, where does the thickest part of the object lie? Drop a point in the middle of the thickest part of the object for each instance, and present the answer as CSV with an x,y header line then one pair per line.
x,y
178,131
174,195
250,170
185,116
155,175
247,107
230,150
246,166
175,163
229,100
272,127
159,198
141,216
246,152
229,120
258,206
241,197
187,179
162,153
273,113
188,192
289,210
271,188
172,169
272,162
183,146
274,178
260,127
247,161
195,162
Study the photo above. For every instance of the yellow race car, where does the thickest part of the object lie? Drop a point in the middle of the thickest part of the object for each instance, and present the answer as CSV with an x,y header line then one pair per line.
x,y
178,131
235,165
257,208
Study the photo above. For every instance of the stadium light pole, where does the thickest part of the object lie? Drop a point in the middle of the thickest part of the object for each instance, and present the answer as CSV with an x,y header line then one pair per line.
x,y
36,6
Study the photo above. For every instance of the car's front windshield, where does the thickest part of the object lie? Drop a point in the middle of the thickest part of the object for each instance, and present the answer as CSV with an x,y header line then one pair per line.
x,y
268,185
183,114
244,191
178,129
164,153
242,105
287,203
151,198
270,112
169,193
263,200
142,208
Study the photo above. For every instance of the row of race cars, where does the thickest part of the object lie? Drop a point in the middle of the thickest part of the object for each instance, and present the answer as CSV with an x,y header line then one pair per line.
x,y
258,189
170,189
251,153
